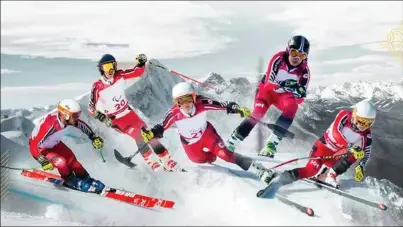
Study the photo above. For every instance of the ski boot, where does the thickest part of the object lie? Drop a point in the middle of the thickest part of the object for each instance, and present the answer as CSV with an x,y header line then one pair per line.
x,y
270,148
168,164
331,179
85,184
233,141
155,166
276,182
265,175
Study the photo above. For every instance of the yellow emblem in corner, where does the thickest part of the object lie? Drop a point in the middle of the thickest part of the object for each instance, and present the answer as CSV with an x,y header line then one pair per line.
x,y
394,43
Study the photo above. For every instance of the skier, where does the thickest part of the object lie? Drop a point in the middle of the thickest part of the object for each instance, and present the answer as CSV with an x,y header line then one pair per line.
x,y
47,148
349,132
108,104
284,85
199,138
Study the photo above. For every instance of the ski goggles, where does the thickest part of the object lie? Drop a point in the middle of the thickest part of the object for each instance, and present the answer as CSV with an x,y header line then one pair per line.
x,y
108,66
364,122
296,53
184,99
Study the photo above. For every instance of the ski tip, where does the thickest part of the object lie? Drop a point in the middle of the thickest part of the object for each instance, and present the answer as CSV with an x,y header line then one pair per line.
x,y
310,212
260,193
382,206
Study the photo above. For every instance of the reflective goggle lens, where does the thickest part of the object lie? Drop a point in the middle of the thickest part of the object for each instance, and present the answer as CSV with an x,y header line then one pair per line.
x,y
365,122
107,67
296,53
184,99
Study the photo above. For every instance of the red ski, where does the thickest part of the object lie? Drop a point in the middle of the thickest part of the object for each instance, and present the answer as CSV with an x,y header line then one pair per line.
x,y
112,193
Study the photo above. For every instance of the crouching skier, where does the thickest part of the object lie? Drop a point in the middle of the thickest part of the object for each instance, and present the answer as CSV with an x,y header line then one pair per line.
x,y
350,132
200,140
46,146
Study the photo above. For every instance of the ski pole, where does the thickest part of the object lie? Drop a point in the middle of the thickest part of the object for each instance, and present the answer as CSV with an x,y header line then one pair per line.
x,y
99,150
16,168
314,157
289,134
102,156
179,74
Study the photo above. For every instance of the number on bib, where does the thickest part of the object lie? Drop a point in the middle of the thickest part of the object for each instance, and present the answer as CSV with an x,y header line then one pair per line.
x,y
120,104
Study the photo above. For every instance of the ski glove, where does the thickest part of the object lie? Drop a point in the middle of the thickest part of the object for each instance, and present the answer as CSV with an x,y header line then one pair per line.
x,y
232,107
359,173
97,142
357,151
103,118
293,86
300,92
244,112
46,165
148,134
141,60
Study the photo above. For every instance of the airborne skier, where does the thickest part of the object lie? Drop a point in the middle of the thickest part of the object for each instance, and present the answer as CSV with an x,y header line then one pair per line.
x,y
349,132
108,103
46,146
199,138
284,85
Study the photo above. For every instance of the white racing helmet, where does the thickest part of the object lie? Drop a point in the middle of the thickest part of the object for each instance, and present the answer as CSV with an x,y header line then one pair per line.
x,y
69,109
364,114
183,92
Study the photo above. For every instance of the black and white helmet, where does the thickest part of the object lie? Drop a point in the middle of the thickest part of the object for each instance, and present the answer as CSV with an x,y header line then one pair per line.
x,y
299,43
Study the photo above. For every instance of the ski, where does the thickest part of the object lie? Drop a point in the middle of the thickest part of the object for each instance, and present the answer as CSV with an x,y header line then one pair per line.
x,y
112,193
271,192
319,184
304,209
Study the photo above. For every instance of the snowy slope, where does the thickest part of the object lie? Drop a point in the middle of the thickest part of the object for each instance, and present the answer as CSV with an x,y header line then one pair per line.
x,y
11,219
206,195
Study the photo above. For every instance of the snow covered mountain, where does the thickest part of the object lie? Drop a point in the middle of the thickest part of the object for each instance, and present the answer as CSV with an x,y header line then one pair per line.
x,y
206,195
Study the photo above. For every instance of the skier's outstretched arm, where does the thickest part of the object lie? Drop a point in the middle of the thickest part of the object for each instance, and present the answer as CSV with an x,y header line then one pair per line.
x,y
138,70
367,149
230,107
159,129
97,142
359,173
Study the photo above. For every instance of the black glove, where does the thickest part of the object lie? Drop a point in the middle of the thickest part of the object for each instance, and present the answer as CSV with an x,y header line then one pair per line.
x,y
294,87
141,60
103,118
157,130
232,108
300,92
